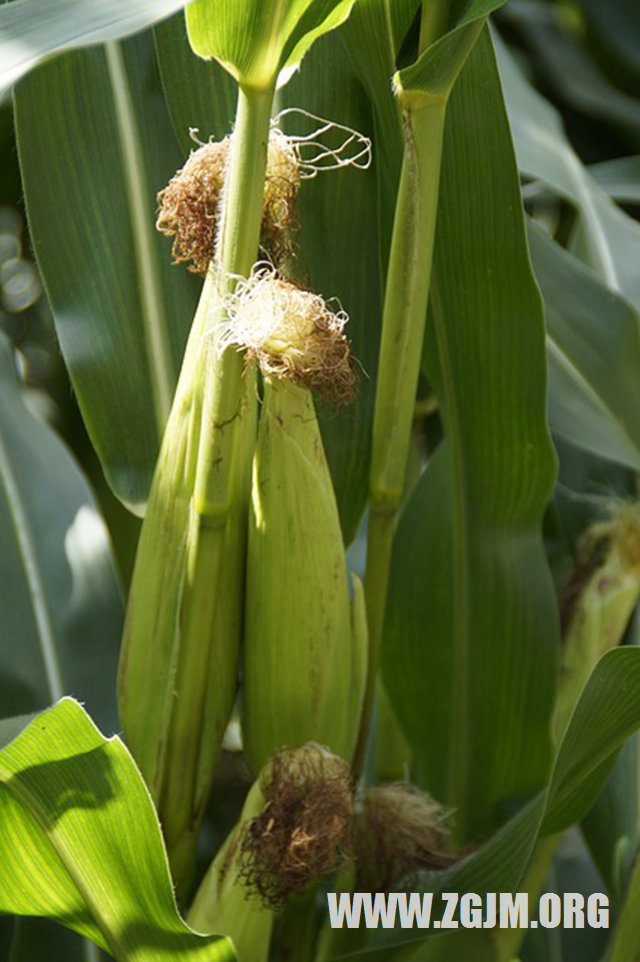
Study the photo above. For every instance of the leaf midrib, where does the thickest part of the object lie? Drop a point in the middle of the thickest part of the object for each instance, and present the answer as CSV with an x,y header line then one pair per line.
x,y
154,320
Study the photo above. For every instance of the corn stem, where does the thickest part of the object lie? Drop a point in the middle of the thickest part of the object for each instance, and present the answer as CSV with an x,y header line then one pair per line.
x,y
404,315
217,470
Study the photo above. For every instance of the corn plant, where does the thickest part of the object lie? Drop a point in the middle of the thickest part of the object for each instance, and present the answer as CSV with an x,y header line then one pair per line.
x,y
330,585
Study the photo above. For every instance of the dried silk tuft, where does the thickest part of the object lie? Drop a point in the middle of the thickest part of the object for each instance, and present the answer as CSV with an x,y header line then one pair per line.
x,y
292,333
398,831
303,832
190,206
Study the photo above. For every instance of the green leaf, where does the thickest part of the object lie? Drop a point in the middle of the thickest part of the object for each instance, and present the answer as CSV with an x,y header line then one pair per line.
x,y
373,41
611,827
607,712
199,95
609,238
61,601
254,40
471,632
122,311
80,843
435,71
591,332
31,30
620,178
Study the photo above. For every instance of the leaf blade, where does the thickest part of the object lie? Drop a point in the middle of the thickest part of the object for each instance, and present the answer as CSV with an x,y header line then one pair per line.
x,y
62,600
484,598
81,842
31,30
106,323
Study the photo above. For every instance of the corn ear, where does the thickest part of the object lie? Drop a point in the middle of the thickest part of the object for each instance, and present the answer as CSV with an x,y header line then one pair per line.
x,y
221,905
603,606
304,665
295,828
178,669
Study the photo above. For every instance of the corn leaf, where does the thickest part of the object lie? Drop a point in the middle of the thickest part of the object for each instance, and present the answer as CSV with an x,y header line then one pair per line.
x,y
607,712
254,40
198,95
591,331
435,71
611,826
122,321
471,634
31,30
620,178
60,597
608,239
373,35
80,842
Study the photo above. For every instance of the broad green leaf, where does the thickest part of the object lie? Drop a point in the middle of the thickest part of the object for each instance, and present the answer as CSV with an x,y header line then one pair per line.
x,y
254,40
471,633
373,44
607,712
122,311
80,843
591,332
610,239
60,597
31,30
199,95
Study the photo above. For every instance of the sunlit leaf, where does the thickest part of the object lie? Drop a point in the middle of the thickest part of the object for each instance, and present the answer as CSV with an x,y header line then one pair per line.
x,y
80,843
254,40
